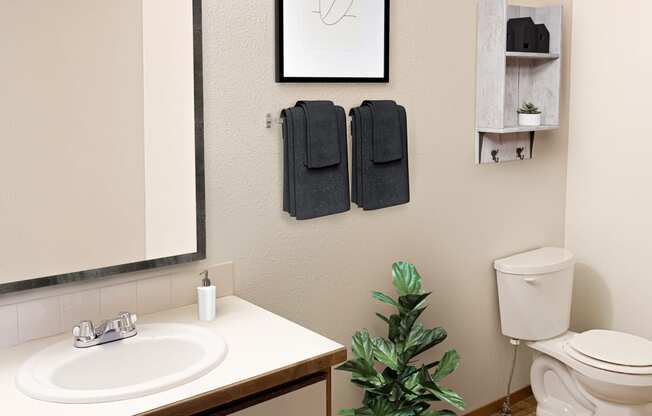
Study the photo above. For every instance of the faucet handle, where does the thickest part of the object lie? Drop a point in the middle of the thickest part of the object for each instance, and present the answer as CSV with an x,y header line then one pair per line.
x,y
84,330
127,320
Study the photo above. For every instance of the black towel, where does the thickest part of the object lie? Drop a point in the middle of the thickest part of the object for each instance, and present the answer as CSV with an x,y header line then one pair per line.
x,y
378,185
321,127
313,192
386,130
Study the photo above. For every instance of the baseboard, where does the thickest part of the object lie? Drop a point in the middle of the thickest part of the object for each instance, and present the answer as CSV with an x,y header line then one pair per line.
x,y
494,407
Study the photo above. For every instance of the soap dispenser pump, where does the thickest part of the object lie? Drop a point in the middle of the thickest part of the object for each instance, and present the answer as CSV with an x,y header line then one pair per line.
x,y
206,299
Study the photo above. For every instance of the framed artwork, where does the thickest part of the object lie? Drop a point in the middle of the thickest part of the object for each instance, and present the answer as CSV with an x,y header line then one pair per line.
x,y
332,40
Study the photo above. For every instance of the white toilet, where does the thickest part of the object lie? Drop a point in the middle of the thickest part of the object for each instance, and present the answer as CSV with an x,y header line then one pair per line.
x,y
601,373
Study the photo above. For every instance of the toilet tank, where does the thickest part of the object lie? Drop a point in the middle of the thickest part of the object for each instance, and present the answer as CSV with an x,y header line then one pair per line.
x,y
534,292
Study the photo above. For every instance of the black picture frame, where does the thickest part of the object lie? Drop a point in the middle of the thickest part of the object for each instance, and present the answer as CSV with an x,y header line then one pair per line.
x,y
200,254
280,75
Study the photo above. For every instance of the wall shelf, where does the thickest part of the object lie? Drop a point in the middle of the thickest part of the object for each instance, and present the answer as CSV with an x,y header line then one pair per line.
x,y
528,55
505,80
517,129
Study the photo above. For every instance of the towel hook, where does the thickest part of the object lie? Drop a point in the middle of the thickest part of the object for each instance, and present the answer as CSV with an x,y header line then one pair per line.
x,y
269,120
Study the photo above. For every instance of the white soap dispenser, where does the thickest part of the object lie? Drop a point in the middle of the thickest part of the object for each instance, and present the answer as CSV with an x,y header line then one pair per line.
x,y
206,299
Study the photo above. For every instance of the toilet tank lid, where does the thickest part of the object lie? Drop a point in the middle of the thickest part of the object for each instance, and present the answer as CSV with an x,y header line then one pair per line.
x,y
542,261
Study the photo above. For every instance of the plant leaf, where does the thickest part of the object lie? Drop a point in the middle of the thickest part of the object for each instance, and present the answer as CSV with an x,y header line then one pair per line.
x,y
415,338
359,368
438,413
362,346
403,412
432,338
406,279
385,352
381,407
410,302
408,321
363,411
449,363
385,299
383,317
449,396
446,395
394,328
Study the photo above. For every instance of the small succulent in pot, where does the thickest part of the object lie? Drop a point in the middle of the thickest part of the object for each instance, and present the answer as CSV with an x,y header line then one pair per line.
x,y
529,115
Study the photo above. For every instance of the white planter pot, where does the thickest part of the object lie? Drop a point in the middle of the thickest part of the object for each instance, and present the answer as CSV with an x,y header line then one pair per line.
x,y
529,119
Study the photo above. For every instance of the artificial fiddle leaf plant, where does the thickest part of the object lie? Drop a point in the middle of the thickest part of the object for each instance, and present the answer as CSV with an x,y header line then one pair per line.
x,y
403,387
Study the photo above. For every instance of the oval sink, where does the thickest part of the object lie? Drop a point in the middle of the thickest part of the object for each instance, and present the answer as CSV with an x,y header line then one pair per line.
x,y
160,357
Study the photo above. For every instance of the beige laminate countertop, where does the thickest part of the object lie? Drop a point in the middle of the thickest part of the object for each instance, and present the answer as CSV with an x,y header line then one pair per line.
x,y
259,343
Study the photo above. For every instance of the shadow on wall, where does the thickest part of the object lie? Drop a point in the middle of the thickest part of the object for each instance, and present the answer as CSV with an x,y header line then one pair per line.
x,y
592,305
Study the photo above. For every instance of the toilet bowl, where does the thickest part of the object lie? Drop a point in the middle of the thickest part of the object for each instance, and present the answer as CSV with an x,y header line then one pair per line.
x,y
595,373
566,381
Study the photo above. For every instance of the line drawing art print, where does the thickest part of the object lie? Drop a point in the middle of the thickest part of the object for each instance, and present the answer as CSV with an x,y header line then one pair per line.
x,y
332,12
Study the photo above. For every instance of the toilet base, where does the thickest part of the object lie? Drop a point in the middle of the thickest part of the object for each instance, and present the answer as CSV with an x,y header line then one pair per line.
x,y
615,409
558,393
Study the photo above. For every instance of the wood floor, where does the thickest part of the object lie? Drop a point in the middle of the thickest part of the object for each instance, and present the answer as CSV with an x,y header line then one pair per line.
x,y
527,407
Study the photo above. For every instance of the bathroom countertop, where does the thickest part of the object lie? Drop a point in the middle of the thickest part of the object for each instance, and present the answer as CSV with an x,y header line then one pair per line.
x,y
260,343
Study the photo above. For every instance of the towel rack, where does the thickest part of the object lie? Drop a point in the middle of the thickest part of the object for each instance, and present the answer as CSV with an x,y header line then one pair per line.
x,y
269,120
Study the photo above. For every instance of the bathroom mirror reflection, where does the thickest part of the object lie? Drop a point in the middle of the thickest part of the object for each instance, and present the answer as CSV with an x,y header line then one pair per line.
x,y
101,167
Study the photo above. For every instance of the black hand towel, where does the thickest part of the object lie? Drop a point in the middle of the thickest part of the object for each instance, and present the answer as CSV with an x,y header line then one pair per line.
x,y
378,185
387,146
313,192
321,127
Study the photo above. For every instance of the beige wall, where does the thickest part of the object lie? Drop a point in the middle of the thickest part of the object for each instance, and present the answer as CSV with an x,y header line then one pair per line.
x,y
609,200
462,216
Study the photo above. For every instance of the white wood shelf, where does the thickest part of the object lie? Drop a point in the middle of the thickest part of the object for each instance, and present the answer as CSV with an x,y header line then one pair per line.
x,y
528,55
517,129
506,80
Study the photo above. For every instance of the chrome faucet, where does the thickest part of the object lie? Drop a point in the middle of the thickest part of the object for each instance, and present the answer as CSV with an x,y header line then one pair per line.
x,y
86,335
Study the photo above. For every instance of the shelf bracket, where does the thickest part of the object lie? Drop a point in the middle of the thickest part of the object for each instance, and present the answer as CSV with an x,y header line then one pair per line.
x,y
532,133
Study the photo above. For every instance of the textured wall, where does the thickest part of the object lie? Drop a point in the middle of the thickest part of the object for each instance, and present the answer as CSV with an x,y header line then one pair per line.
x,y
462,216
320,273
608,222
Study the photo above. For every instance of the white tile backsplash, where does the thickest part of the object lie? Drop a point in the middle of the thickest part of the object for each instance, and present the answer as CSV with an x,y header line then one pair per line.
x,y
77,307
30,317
154,295
116,299
184,289
8,326
38,319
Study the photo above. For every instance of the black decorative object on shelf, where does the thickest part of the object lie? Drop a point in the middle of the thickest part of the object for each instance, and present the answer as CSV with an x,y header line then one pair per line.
x,y
543,39
521,35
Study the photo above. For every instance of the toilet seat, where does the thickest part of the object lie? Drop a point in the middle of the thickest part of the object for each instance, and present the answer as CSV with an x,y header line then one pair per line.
x,y
612,351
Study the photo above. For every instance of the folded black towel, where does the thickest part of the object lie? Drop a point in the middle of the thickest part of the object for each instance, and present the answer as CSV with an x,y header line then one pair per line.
x,y
321,127
376,184
313,192
387,145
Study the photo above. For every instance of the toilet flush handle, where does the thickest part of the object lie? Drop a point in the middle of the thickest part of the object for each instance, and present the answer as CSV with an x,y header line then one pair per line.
x,y
531,280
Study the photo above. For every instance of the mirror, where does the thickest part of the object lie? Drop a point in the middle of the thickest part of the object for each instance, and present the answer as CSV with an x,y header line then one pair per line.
x,y
101,138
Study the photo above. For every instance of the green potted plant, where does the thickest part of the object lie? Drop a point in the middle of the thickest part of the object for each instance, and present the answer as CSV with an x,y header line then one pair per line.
x,y
394,383
529,115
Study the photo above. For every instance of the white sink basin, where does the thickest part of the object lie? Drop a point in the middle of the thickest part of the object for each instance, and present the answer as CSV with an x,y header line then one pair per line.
x,y
160,357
